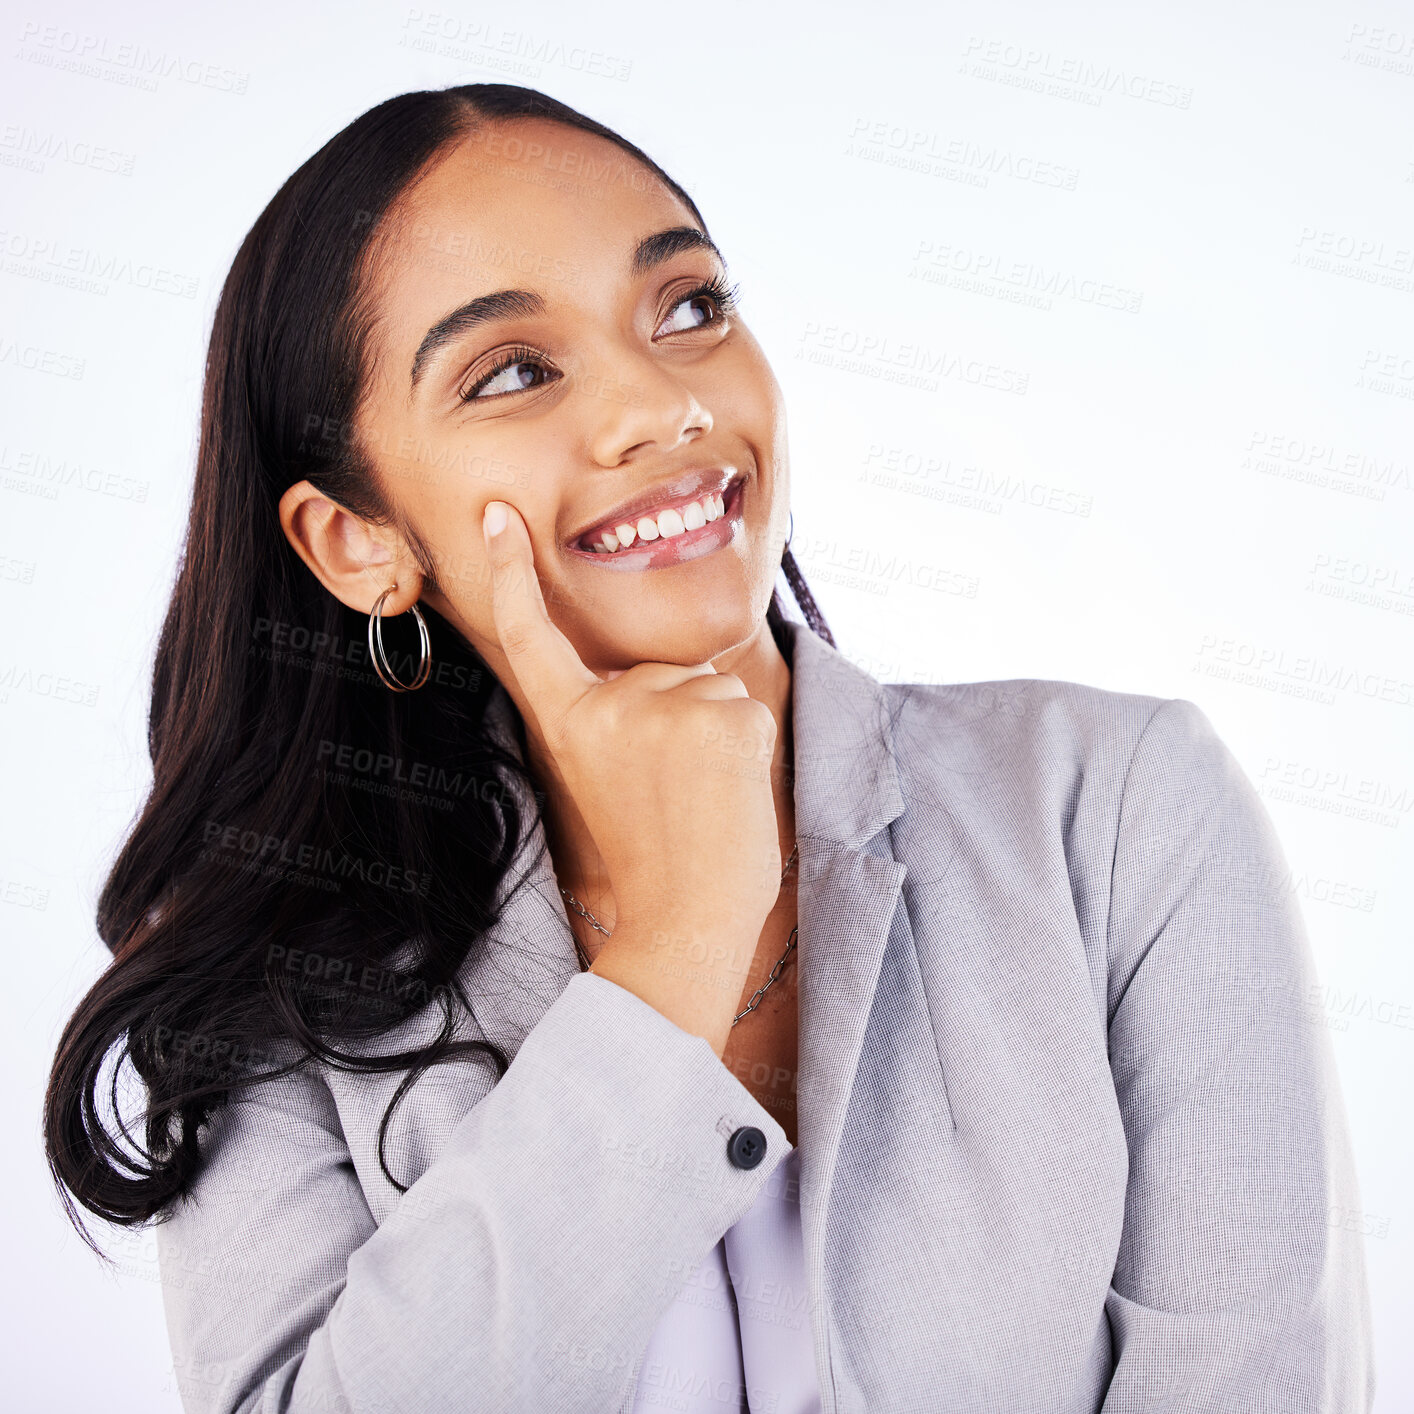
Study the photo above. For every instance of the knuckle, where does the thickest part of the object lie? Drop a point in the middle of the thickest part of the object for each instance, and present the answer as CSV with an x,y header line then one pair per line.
x,y
760,718
516,638
755,711
556,731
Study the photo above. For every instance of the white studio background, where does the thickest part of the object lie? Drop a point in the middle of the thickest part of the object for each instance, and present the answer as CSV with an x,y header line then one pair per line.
x,y
1096,330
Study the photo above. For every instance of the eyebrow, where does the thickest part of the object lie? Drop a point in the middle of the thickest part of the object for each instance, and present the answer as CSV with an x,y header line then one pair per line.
x,y
651,251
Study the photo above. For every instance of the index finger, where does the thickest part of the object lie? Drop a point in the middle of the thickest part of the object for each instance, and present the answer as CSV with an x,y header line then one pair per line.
x,y
546,664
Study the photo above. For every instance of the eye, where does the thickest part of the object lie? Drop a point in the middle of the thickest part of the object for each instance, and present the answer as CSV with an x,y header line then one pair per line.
x,y
516,369
716,294
513,372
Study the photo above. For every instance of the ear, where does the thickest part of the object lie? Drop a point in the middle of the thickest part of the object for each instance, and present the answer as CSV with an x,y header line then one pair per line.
x,y
353,559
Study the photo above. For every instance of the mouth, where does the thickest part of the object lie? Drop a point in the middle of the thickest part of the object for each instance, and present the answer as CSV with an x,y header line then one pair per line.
x,y
676,532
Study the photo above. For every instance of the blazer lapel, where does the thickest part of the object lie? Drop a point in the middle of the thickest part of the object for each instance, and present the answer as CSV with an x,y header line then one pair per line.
x,y
847,792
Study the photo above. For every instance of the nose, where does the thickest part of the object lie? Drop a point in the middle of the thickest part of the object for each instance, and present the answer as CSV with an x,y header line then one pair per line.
x,y
633,402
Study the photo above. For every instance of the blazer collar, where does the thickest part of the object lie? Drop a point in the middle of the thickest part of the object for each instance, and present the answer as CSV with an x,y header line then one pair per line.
x,y
846,777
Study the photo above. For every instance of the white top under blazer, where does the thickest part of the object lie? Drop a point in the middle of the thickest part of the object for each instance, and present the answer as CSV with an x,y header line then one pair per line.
x,y
737,1336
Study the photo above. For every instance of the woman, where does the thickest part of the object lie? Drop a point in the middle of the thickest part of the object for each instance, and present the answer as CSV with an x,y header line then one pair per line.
x,y
611,997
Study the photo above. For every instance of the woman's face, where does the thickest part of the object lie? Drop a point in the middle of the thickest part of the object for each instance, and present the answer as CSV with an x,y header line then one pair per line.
x,y
543,338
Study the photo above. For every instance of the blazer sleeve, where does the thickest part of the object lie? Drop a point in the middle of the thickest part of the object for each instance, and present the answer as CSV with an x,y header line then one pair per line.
x,y
523,1270
1240,1283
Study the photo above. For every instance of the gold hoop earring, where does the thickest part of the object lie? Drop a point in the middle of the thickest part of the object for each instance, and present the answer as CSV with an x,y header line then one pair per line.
x,y
380,658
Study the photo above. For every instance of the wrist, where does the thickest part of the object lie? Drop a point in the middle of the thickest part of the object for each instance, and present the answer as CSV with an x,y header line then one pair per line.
x,y
694,978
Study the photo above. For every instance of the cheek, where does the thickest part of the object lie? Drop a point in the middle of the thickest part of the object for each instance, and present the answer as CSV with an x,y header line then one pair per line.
x,y
751,407
441,498
449,522
747,396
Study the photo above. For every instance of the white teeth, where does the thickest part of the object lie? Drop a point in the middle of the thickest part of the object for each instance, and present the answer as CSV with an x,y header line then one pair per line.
x,y
664,525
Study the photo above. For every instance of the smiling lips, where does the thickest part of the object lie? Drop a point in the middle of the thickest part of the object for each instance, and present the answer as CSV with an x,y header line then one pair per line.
x,y
672,535
662,511
666,523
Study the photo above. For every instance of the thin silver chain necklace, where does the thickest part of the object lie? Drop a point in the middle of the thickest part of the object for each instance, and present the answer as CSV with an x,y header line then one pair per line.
x,y
760,991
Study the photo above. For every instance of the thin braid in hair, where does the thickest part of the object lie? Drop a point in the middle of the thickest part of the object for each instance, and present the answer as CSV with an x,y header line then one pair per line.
x,y
805,598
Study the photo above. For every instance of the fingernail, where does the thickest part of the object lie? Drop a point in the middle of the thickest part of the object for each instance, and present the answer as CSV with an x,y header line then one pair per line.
x,y
494,519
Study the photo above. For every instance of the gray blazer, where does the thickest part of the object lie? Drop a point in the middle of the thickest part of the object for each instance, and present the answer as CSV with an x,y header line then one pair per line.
x,y
1071,1133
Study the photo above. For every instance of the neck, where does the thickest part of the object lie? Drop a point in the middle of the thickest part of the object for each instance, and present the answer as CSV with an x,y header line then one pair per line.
x,y
578,866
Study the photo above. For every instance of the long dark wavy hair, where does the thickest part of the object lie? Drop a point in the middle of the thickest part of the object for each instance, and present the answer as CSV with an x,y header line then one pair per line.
x,y
272,824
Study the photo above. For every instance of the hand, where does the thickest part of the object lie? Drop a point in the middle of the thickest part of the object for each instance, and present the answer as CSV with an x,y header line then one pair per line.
x,y
686,828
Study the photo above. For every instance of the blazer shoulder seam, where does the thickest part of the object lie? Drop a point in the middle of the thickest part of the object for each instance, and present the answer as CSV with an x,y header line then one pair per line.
x,y
1119,811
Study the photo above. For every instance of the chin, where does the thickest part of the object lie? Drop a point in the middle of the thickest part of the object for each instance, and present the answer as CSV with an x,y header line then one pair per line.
x,y
687,644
